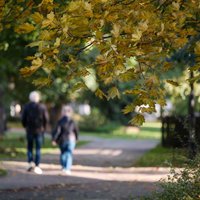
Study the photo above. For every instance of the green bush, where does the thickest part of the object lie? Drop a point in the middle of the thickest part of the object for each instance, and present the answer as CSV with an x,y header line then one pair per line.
x,y
93,121
182,184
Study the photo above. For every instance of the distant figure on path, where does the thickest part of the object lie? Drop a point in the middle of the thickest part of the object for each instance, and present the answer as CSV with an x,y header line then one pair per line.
x,y
34,119
65,135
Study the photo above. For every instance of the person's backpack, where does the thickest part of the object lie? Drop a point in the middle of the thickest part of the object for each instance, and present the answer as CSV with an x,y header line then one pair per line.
x,y
34,116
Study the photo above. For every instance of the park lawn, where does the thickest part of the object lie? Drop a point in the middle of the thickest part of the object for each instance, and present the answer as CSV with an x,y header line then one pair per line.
x,y
3,172
13,146
150,130
163,157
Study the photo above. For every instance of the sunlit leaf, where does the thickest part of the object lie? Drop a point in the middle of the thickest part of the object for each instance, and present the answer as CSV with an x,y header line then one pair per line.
x,y
129,108
79,86
174,83
25,28
37,17
113,92
99,93
42,82
137,120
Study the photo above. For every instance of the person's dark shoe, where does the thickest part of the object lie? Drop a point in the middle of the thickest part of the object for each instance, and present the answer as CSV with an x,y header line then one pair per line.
x,y
30,167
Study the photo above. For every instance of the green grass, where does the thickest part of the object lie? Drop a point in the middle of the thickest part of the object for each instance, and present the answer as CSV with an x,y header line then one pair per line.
x,y
3,172
14,124
13,146
163,157
150,130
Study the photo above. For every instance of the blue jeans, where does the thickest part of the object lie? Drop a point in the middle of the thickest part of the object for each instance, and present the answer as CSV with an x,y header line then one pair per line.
x,y
66,156
34,139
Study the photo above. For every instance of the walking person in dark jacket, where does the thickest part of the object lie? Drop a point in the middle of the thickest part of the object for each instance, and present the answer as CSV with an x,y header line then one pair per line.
x,y
34,119
65,135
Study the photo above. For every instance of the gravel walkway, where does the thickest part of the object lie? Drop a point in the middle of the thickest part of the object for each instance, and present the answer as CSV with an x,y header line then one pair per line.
x,y
102,170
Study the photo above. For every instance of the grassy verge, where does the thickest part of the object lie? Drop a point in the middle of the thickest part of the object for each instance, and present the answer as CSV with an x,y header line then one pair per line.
x,y
150,130
163,157
13,146
3,172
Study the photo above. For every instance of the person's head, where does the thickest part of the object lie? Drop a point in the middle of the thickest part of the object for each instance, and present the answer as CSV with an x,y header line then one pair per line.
x,y
67,111
34,96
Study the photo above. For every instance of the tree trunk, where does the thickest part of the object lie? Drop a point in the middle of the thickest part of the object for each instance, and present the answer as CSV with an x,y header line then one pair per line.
x,y
192,142
2,115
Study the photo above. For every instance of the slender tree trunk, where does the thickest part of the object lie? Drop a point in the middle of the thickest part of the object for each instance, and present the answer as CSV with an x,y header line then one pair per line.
x,y
2,115
192,142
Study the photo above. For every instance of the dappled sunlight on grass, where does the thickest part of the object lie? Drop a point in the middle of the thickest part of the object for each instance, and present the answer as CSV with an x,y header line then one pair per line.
x,y
161,156
150,130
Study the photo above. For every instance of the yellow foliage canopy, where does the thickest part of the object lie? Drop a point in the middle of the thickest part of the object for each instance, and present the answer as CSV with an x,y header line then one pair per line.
x,y
133,39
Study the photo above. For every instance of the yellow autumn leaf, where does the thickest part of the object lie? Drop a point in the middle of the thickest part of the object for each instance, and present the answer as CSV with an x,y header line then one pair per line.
x,y
135,92
83,72
37,62
161,102
46,2
35,44
137,120
147,109
174,83
45,35
180,41
51,16
136,36
176,5
197,48
143,25
37,17
30,58
49,65
99,35
79,86
167,66
57,42
28,71
129,108
55,51
113,92
49,20
99,93
88,9
46,23
116,30
195,68
25,28
42,82
74,5
2,2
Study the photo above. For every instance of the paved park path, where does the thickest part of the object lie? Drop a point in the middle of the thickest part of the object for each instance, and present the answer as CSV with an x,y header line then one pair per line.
x,y
101,171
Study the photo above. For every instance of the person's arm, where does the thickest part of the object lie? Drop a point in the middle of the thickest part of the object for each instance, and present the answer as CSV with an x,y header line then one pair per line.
x,y
24,117
56,133
76,131
45,117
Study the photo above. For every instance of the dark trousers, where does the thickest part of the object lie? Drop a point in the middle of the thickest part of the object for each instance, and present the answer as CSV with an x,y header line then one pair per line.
x,y
34,139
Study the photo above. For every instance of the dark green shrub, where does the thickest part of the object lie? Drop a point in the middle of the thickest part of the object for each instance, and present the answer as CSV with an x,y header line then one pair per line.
x,y
93,121
183,184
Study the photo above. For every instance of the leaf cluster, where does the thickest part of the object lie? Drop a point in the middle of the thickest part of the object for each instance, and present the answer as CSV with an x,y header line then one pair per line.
x,y
133,39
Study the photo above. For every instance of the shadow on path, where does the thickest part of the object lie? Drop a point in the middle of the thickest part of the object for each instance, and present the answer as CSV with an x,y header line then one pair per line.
x,y
101,170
